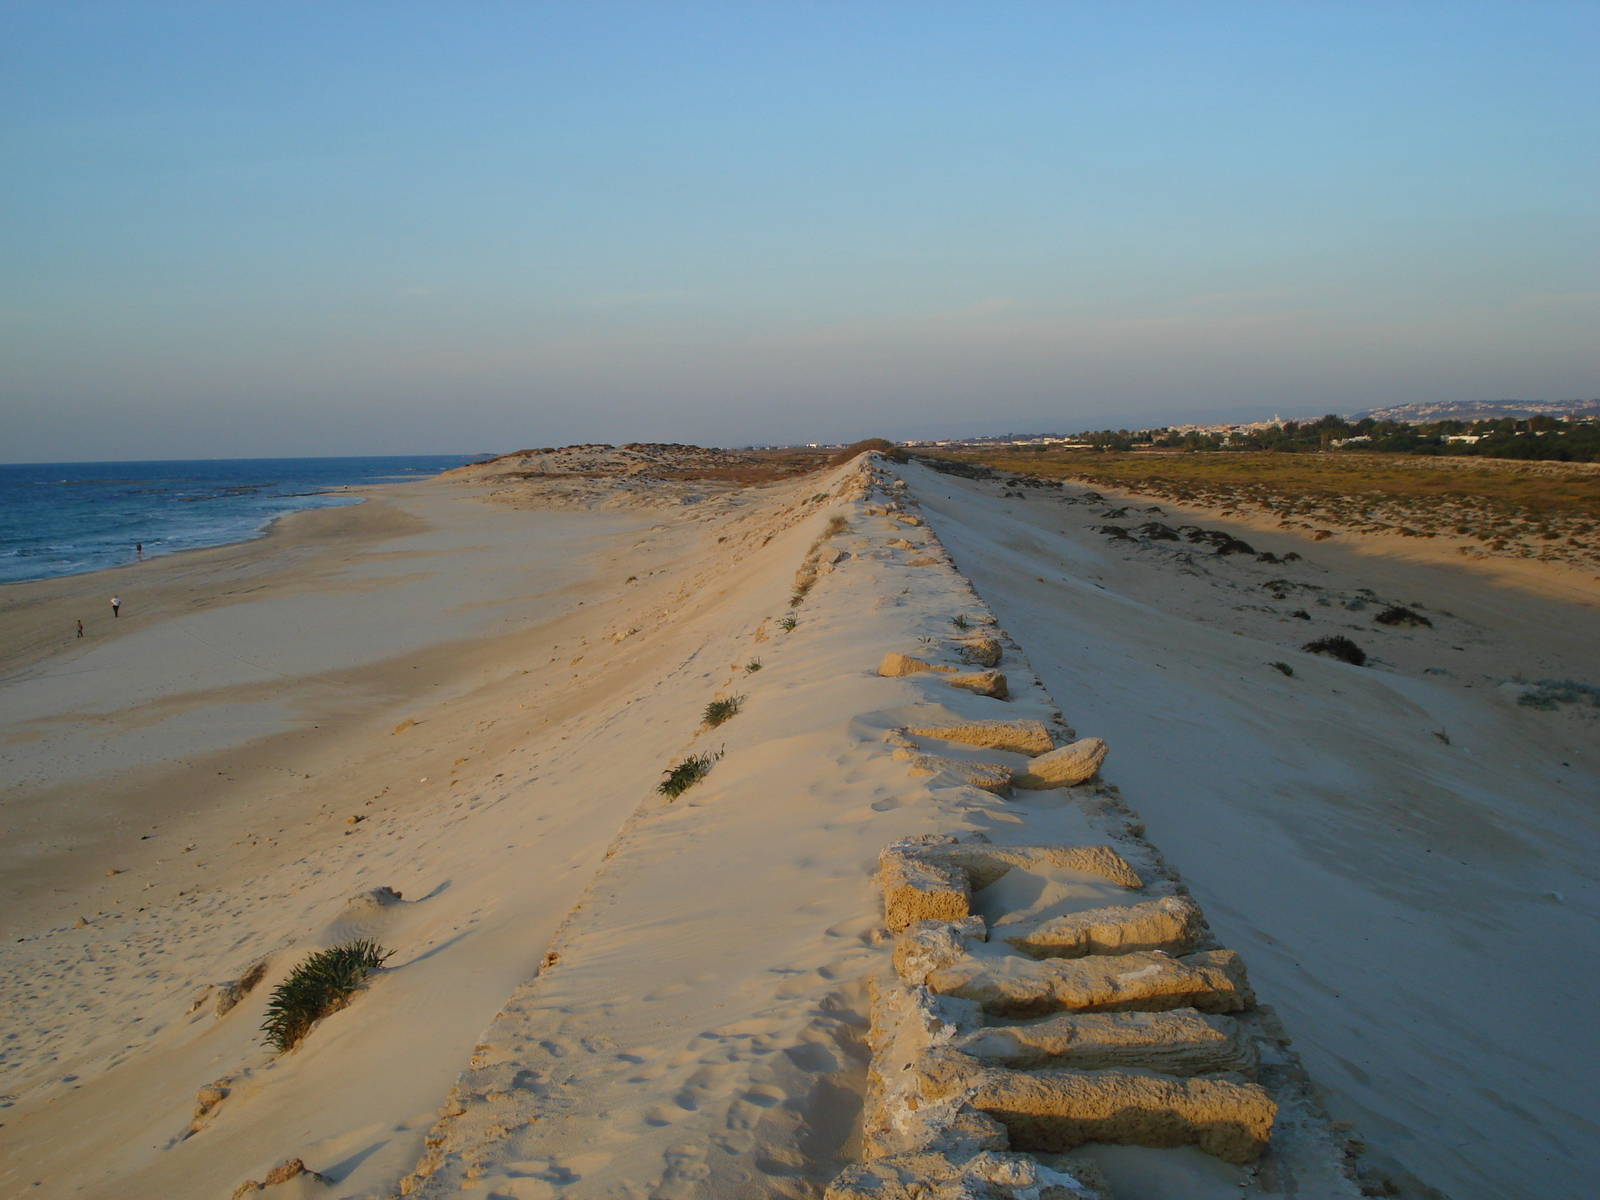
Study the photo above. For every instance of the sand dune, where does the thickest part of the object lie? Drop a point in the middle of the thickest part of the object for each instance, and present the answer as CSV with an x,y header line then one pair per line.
x,y
1403,853
598,991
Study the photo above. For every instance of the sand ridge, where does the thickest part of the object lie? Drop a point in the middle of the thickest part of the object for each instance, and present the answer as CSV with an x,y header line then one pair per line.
x,y
688,981
698,1026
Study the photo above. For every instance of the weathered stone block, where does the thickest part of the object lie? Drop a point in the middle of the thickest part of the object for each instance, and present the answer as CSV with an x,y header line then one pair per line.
x,y
915,889
985,862
925,946
984,683
1066,767
1213,981
980,651
1173,924
990,777
988,1175
895,665
1059,1108
1179,1042
1021,737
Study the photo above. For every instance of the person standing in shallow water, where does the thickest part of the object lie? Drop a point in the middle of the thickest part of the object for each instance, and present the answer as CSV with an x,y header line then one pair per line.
x,y
116,606
138,551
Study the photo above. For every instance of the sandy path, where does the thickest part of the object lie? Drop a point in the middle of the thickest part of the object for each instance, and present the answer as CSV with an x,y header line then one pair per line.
x,y
1417,909
698,1030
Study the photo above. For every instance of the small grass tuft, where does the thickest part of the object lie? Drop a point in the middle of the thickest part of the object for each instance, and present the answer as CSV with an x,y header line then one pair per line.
x,y
788,624
722,709
1284,667
1338,646
835,525
685,775
1397,615
960,622
751,667
321,985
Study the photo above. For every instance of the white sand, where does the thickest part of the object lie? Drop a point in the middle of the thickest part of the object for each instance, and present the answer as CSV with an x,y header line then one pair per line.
x,y
1422,914
699,1029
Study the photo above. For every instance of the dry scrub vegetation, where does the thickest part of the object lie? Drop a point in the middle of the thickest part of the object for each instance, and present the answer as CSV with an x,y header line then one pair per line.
x,y
1540,510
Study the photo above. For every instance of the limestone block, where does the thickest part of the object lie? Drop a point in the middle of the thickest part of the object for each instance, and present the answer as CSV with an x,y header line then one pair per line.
x,y
1179,1042
980,651
925,946
988,1175
922,560
932,878
291,1170
1173,924
984,862
1066,767
985,683
906,1023
1022,737
1149,981
1059,1108
902,544
894,665
907,518
990,777
915,889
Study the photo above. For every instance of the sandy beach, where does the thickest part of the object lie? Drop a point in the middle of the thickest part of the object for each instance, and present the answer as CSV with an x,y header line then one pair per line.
x,y
596,992
185,787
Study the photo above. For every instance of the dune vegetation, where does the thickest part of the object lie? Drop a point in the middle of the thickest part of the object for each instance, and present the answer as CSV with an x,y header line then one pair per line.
x,y
1524,509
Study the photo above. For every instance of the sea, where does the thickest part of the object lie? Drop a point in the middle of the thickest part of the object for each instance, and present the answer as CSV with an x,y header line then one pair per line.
x,y
66,518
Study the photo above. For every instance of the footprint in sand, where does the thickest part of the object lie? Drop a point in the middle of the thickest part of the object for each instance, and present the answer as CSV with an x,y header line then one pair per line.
x,y
664,1114
662,993
764,1095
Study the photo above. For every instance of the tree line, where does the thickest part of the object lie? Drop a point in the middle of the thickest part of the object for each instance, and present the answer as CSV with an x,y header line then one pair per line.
x,y
1537,437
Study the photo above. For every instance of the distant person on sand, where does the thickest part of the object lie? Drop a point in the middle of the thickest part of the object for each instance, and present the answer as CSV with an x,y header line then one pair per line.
x,y
80,628
116,606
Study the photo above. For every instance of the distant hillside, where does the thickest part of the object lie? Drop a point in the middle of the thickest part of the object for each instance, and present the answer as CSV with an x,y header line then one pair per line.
x,y
1480,410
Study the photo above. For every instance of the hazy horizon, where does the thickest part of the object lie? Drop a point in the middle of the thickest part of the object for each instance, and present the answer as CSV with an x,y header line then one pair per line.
x,y
256,230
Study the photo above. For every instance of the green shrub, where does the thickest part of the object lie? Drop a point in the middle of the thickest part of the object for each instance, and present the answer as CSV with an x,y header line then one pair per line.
x,y
751,667
321,985
1550,694
1396,615
1338,646
788,624
1284,667
960,622
685,775
721,710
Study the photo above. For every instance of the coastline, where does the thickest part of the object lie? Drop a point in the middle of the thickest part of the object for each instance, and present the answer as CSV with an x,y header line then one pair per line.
x,y
225,657
177,803
30,608
472,709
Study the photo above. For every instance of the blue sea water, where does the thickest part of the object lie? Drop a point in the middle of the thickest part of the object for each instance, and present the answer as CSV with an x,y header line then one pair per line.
x,y
64,518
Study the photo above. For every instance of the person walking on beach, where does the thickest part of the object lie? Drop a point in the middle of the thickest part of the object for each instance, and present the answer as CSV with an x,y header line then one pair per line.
x,y
138,551
116,605
80,628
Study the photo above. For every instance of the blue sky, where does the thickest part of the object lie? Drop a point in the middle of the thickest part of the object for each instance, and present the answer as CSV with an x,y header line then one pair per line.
x,y
301,228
